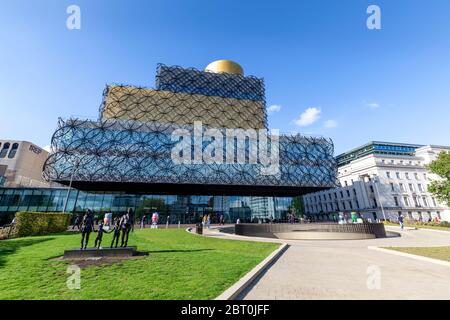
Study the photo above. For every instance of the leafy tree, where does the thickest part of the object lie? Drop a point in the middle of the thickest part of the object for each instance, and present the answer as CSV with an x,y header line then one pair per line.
x,y
298,207
441,167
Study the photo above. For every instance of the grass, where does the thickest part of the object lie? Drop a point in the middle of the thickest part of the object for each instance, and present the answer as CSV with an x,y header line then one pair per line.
x,y
441,253
418,226
179,266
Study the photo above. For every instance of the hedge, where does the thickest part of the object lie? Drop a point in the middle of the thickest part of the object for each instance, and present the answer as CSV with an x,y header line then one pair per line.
x,y
41,223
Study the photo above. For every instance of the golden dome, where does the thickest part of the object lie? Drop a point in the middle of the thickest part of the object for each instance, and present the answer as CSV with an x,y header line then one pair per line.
x,y
225,66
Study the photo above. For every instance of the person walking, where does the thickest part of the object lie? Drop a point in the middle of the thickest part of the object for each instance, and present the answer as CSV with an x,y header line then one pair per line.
x,y
143,221
400,221
208,220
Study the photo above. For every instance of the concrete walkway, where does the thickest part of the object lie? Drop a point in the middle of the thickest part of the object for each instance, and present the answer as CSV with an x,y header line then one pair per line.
x,y
349,270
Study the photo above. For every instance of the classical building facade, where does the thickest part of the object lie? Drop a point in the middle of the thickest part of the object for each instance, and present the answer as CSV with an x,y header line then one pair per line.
x,y
380,180
21,164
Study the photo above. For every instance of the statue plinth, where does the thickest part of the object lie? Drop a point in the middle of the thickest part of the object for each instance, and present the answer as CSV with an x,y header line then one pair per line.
x,y
120,252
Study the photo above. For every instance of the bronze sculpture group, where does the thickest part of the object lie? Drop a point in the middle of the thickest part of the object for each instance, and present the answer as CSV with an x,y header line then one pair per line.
x,y
122,225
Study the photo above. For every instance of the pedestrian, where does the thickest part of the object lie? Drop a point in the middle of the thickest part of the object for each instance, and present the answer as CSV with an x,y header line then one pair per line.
x,y
208,220
155,218
143,221
77,222
400,221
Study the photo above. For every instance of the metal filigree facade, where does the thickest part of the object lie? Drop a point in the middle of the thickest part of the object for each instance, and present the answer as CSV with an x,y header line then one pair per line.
x,y
130,151
132,140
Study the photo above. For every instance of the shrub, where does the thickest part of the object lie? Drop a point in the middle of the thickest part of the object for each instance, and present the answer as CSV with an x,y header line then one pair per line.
x,y
445,224
41,223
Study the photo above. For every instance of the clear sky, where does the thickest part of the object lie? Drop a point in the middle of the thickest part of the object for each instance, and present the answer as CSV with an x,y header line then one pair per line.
x,y
326,73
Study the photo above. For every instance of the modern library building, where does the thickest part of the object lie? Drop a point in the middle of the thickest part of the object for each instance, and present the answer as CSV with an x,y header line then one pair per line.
x,y
198,143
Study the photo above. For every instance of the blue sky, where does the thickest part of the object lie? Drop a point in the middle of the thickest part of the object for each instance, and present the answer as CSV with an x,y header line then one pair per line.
x,y
317,57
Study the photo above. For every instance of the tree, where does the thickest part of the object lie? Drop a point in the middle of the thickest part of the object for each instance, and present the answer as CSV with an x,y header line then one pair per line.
x,y
298,206
441,167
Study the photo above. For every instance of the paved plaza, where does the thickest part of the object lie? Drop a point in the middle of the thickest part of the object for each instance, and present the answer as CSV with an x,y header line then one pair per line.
x,y
348,269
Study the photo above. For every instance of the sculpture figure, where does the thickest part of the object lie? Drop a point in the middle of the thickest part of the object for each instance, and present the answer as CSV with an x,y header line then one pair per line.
x,y
116,231
100,231
126,225
86,227
131,217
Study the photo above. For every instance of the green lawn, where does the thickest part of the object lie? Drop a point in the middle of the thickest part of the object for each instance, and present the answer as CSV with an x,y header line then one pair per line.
x,y
419,226
180,265
441,253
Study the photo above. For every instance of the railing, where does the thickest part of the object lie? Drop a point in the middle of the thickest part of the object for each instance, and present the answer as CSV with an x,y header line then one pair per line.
x,y
376,229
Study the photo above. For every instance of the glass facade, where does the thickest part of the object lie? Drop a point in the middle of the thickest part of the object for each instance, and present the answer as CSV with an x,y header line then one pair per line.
x,y
183,209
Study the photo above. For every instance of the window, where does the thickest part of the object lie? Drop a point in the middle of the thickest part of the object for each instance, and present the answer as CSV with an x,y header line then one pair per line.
x,y
425,201
406,201
348,193
388,174
375,203
434,202
371,189
396,201
416,201
407,175
392,161
392,187
411,187
419,185
342,194
416,176
345,182
4,150
397,174
402,187
357,204
425,176
13,150
335,195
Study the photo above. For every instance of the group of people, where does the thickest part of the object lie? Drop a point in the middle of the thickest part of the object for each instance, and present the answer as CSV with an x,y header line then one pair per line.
x,y
121,226
155,220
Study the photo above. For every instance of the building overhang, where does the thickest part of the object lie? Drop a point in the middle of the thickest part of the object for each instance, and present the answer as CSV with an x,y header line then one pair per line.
x,y
193,189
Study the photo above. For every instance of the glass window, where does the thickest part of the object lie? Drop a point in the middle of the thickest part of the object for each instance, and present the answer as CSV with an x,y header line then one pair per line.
x,y
406,201
13,150
4,150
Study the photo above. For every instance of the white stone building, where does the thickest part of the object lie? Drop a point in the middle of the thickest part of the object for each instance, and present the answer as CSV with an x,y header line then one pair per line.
x,y
380,180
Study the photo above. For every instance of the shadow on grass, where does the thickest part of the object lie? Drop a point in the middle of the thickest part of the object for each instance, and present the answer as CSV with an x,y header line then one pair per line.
x,y
189,250
8,247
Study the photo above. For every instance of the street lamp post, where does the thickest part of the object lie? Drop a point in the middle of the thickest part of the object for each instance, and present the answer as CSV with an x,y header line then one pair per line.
x,y
376,181
70,187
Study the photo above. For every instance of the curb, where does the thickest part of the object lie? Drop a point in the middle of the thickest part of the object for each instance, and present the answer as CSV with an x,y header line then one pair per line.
x,y
411,256
232,292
